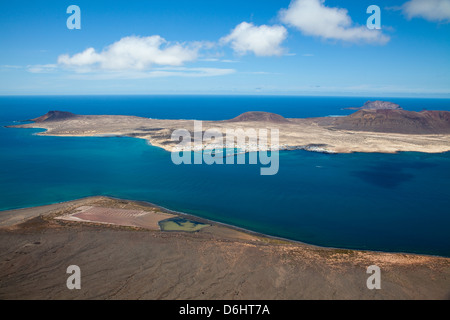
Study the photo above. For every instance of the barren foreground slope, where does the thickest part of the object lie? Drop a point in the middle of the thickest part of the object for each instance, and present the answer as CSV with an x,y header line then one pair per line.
x,y
214,263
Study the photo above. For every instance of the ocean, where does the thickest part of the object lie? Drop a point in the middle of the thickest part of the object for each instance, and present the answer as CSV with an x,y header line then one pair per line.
x,y
384,202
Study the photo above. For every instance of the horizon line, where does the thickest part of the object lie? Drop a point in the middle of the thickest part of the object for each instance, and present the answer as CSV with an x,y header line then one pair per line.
x,y
418,96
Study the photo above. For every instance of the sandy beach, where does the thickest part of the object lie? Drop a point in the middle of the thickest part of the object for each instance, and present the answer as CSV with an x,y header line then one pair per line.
x,y
120,261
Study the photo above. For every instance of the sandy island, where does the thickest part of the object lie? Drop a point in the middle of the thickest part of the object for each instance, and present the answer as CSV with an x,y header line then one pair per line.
x,y
384,131
124,255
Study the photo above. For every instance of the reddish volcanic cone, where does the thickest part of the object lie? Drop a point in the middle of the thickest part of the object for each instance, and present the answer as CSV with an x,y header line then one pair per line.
x,y
55,116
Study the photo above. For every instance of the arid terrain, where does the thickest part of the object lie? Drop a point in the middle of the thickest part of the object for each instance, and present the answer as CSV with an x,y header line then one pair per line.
x,y
124,253
217,262
367,130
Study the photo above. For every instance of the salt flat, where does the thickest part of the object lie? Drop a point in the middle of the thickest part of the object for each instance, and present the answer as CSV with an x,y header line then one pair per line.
x,y
121,217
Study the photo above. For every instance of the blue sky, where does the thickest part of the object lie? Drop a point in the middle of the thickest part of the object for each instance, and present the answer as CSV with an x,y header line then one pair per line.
x,y
298,47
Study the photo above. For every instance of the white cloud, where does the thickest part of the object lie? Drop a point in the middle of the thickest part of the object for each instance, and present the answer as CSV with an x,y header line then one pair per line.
x,y
431,10
42,68
134,58
261,40
156,73
9,66
218,60
132,53
313,18
229,61
210,60
187,72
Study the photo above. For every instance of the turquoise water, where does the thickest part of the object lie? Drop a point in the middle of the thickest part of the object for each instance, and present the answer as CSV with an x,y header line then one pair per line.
x,y
365,201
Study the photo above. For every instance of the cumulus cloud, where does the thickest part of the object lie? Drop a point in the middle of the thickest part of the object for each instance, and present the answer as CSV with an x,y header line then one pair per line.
x,y
260,40
132,53
134,58
313,18
431,10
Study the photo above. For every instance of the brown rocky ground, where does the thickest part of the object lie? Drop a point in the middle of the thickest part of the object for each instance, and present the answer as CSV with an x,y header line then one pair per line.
x,y
216,263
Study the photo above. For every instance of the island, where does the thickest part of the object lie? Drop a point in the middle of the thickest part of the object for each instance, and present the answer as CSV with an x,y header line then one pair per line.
x,y
137,250
384,130
377,105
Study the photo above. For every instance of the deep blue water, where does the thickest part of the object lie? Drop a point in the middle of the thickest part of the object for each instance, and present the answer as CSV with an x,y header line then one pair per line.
x,y
365,201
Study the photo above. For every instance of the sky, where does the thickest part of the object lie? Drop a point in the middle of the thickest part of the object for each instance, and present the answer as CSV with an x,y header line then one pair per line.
x,y
255,47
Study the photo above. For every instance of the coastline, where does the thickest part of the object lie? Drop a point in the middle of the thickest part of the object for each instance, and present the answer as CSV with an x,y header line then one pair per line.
x,y
307,148
311,134
216,262
36,211
276,237
219,261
